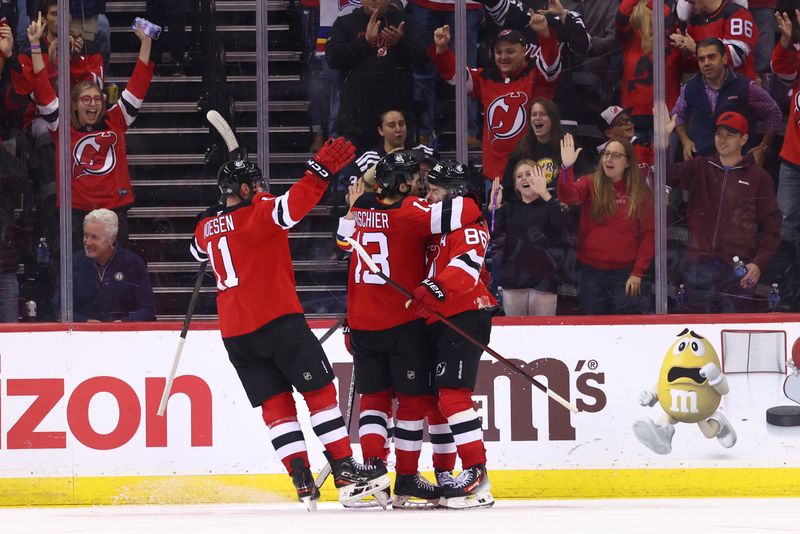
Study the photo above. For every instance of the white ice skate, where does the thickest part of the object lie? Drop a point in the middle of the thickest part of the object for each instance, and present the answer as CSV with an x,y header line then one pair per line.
x,y
657,438
726,434
357,481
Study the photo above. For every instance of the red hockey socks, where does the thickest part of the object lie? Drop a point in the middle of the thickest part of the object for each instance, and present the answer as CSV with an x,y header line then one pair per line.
x,y
456,405
327,421
373,424
444,448
411,411
280,415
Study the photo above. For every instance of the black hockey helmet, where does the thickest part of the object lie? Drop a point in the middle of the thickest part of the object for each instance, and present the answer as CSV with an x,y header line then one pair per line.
x,y
450,175
236,172
395,169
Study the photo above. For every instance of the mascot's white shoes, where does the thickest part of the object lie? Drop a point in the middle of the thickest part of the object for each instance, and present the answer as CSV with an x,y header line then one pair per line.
x,y
657,438
726,434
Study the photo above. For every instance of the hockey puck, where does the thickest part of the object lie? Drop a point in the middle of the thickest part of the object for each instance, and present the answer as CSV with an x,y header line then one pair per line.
x,y
784,415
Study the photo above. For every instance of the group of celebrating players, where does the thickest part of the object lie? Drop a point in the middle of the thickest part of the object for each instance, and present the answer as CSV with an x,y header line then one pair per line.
x,y
434,247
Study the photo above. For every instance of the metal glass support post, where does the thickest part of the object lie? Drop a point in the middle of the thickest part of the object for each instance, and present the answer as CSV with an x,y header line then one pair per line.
x,y
262,88
461,86
660,146
64,167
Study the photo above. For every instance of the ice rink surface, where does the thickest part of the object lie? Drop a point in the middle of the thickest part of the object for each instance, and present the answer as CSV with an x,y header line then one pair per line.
x,y
635,516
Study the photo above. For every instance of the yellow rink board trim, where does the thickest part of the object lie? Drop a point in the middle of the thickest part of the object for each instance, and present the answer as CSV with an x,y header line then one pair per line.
x,y
552,484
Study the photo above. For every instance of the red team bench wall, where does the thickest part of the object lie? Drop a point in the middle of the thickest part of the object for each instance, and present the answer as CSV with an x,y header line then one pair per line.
x,y
78,421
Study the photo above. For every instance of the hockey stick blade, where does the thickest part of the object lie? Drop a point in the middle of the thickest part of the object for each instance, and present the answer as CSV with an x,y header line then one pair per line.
x,y
224,129
375,270
162,406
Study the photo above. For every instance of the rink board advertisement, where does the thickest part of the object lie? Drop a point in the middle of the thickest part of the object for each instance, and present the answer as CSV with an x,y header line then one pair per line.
x,y
78,418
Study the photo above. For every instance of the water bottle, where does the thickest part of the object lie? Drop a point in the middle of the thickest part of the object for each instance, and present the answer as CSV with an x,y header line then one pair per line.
x,y
680,297
42,252
739,267
774,297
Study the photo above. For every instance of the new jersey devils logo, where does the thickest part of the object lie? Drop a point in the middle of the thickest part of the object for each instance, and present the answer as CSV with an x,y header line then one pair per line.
x,y
95,154
507,115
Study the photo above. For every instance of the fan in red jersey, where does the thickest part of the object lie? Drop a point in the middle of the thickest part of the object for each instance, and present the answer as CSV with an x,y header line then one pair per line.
x,y
390,344
246,240
456,287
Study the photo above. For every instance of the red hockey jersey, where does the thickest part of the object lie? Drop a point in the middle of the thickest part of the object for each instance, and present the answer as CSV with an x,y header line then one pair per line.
x,y
248,248
735,26
456,261
786,64
395,236
100,177
506,101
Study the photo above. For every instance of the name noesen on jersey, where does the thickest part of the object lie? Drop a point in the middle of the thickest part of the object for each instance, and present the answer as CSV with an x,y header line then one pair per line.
x,y
218,225
371,219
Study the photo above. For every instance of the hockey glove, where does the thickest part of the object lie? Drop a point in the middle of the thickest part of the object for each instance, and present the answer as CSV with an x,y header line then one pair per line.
x,y
427,297
346,334
334,156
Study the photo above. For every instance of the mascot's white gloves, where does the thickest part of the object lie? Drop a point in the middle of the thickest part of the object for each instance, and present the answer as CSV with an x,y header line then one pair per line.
x,y
648,398
712,373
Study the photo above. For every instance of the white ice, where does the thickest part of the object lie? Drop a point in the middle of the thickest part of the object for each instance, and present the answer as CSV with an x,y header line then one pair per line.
x,y
637,516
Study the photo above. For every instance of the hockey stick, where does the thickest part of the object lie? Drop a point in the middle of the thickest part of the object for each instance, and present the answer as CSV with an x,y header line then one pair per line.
x,y
224,129
162,406
375,270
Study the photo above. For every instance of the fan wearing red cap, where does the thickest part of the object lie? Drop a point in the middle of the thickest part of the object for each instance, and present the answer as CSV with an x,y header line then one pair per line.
x,y
732,215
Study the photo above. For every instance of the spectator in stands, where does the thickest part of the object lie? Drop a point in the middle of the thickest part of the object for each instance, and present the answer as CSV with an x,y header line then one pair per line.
x,y
617,122
13,184
374,48
542,144
763,12
429,15
575,45
732,211
528,244
616,238
504,89
110,283
635,32
100,177
726,20
717,90
393,131
89,21
786,64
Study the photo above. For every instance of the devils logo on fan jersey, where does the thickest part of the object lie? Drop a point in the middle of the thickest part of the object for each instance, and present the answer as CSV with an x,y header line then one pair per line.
x,y
95,154
507,115
797,105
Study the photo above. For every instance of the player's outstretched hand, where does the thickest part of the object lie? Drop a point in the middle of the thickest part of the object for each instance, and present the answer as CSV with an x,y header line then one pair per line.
x,y
334,156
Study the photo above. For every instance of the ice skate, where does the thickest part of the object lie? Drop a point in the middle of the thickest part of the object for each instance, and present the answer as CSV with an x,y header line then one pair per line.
x,y
726,434
471,490
657,438
356,481
445,479
381,498
307,491
414,491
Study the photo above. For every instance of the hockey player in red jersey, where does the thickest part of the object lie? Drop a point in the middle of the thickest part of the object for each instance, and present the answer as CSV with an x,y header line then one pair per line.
x,y
269,343
390,344
456,287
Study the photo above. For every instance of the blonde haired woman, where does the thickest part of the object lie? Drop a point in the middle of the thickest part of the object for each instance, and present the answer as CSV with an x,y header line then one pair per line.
x,y
616,233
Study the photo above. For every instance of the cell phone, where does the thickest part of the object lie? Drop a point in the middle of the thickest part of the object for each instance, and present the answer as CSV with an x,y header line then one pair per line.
x,y
153,31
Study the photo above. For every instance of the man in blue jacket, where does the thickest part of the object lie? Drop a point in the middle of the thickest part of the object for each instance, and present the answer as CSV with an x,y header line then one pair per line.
x,y
110,283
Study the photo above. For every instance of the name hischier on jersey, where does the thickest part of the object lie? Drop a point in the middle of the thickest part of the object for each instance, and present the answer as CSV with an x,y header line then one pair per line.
x,y
371,219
